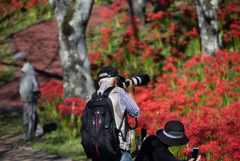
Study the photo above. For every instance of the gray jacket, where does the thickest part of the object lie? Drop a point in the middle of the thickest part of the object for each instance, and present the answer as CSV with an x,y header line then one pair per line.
x,y
28,84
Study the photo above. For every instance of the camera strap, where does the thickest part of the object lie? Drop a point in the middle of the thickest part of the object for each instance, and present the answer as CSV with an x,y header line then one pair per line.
x,y
127,126
125,129
136,125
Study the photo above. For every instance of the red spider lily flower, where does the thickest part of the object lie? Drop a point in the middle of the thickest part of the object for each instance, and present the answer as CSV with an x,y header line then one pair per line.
x,y
165,3
195,61
95,57
51,90
117,7
155,26
94,46
188,12
226,38
31,3
106,13
16,4
155,16
106,31
159,36
71,106
172,27
183,42
169,67
193,33
173,51
148,53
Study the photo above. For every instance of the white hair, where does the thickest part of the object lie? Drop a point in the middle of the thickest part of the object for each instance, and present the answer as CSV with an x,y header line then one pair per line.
x,y
108,80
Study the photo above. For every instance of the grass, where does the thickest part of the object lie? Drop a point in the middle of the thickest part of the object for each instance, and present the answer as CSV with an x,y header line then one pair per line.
x,y
55,141
11,125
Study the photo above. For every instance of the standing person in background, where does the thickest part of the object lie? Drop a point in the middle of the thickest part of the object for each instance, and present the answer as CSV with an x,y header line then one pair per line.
x,y
155,148
29,93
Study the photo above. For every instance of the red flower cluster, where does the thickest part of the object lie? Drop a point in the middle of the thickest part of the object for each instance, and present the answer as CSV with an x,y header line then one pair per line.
x,y
71,106
10,5
230,23
216,133
207,102
204,98
51,91
193,33
106,32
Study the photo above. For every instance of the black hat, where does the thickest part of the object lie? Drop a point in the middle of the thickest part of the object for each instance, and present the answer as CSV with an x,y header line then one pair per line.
x,y
108,71
173,134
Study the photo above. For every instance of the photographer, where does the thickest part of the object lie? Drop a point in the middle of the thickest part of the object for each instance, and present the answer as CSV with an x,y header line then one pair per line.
x,y
155,148
122,100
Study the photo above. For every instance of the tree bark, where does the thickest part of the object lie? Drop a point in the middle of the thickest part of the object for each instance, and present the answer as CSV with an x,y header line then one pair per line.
x,y
72,17
138,8
208,24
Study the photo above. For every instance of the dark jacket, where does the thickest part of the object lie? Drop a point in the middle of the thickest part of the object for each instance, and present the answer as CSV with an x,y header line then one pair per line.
x,y
153,149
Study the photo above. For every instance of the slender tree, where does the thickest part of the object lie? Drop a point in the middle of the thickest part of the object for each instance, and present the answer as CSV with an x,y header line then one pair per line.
x,y
72,17
208,24
138,8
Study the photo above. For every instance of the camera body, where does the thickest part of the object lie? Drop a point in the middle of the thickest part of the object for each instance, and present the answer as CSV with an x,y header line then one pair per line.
x,y
139,80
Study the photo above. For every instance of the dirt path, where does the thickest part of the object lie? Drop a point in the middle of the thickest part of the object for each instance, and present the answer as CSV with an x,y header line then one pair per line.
x,y
22,152
15,150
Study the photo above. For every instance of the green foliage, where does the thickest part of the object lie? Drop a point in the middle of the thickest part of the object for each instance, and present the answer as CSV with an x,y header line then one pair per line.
x,y
72,125
58,142
194,46
177,151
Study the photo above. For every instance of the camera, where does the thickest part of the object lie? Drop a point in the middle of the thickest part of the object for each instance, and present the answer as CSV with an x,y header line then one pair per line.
x,y
139,80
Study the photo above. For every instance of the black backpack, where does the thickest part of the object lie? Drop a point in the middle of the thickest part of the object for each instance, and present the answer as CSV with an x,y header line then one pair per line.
x,y
99,133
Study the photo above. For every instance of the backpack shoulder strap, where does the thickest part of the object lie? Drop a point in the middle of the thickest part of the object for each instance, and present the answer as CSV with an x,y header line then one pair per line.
x,y
94,94
107,91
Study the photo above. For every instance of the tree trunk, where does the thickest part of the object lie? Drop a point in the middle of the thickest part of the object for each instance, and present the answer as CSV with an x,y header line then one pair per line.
x,y
138,8
72,17
208,24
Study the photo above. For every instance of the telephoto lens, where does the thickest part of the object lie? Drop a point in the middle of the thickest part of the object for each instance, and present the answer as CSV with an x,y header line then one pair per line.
x,y
140,80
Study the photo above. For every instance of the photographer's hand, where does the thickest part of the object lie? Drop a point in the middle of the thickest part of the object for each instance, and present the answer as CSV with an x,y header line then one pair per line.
x,y
38,93
130,90
198,158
